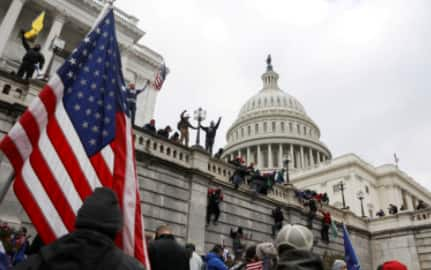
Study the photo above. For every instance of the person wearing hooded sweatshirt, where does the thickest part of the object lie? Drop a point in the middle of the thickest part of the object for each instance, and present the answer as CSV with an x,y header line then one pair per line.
x,y
91,245
294,244
214,259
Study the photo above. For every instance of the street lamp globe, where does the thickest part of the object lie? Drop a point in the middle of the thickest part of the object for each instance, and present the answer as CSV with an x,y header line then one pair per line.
x,y
360,195
199,114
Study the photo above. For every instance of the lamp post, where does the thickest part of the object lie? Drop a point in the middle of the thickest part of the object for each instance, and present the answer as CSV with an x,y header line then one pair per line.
x,y
199,115
286,161
342,188
360,195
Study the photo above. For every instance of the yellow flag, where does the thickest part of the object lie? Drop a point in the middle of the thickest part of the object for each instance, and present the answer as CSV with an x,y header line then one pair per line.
x,y
36,27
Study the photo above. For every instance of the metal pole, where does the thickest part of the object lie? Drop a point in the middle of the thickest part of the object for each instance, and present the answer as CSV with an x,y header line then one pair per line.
x,y
342,194
199,130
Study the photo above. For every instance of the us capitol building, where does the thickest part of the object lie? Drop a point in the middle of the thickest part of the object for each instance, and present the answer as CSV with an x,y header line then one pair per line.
x,y
272,128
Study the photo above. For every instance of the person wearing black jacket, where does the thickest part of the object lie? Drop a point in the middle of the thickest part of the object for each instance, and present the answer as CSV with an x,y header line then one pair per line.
x,y
165,253
31,58
210,132
91,245
278,217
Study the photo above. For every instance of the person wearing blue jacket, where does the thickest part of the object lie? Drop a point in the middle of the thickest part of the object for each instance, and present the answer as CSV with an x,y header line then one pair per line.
x,y
214,259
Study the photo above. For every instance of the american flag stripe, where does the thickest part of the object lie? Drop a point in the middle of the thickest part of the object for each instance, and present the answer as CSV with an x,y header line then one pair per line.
x,y
73,139
33,209
71,164
56,164
108,156
62,205
40,195
255,266
129,192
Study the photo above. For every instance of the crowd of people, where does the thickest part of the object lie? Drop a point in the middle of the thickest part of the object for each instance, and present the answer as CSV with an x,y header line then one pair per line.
x,y
14,245
182,135
260,183
393,209
99,220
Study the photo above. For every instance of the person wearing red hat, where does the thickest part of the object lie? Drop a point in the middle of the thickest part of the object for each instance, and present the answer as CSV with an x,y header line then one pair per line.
x,y
392,265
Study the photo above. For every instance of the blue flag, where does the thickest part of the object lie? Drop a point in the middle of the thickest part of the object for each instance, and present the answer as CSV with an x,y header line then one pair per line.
x,y
351,259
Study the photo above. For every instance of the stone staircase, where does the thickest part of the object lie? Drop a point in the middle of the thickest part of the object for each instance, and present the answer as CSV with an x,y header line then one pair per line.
x,y
423,246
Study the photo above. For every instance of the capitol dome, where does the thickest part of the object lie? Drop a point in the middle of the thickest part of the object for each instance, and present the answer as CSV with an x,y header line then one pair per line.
x,y
273,126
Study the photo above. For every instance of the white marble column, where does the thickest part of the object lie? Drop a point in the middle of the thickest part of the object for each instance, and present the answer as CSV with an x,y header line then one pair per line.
x,y
280,156
310,155
302,157
259,157
9,22
248,156
270,160
54,32
318,157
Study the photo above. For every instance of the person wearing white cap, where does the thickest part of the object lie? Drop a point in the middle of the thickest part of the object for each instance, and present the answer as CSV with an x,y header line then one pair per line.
x,y
339,265
294,244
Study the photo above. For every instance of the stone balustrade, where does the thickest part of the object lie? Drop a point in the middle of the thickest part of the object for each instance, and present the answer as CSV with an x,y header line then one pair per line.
x,y
162,148
401,220
220,169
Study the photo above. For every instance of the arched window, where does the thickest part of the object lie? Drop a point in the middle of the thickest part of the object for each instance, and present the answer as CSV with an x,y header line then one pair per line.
x,y
265,101
290,127
282,126
256,128
272,101
278,101
298,129
265,127
242,132
273,127
305,130
249,130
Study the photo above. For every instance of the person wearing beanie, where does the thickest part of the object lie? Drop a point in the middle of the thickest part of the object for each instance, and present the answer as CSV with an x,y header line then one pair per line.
x,y
392,265
294,244
339,265
91,245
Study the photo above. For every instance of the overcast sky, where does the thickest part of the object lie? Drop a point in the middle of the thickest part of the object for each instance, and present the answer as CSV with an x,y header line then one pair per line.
x,y
361,68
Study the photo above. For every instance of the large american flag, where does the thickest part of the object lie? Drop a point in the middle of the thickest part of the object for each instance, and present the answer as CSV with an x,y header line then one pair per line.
x,y
76,136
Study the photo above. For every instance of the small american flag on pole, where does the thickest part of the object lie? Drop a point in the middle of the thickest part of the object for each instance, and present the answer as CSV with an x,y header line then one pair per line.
x,y
76,136
160,77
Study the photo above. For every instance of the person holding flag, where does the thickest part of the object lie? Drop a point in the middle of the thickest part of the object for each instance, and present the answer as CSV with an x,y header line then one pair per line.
x,y
75,137
32,60
351,259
